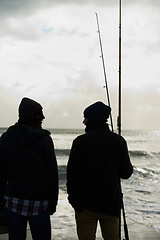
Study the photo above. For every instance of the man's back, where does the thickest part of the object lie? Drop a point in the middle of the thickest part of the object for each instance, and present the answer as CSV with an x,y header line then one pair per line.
x,y
28,174
30,158
99,159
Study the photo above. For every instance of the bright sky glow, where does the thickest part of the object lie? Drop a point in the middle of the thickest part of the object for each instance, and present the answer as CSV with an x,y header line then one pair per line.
x,y
50,52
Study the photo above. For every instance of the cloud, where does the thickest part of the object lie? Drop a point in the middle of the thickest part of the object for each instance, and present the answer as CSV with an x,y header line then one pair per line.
x,y
22,8
50,52
8,110
141,109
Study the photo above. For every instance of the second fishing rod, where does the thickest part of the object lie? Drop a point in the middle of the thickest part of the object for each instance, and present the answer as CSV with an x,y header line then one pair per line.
x,y
119,117
104,70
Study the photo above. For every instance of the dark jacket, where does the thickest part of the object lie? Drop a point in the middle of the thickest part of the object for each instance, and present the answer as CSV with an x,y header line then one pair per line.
x,y
97,161
28,165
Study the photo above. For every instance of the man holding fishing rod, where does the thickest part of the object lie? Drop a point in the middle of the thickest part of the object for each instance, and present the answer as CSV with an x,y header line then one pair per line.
x,y
28,174
98,160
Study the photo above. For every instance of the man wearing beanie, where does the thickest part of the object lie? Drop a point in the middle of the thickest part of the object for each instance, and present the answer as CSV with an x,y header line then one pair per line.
x,y
28,174
98,160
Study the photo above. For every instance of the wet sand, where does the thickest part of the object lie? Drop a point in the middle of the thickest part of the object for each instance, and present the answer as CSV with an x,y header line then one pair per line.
x,y
63,225
136,231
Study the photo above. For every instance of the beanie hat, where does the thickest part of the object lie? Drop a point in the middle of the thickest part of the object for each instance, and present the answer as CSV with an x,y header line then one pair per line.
x,y
28,108
97,112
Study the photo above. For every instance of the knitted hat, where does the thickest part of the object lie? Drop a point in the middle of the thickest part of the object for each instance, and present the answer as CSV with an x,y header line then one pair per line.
x,y
28,108
97,112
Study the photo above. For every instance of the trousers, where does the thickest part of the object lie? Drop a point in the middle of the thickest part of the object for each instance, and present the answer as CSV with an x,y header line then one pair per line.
x,y
40,226
87,221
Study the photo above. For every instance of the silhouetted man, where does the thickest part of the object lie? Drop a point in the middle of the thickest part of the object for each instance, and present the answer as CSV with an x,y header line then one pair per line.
x,y
98,159
28,174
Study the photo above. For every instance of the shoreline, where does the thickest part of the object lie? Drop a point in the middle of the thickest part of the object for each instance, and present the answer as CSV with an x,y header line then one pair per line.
x,y
64,227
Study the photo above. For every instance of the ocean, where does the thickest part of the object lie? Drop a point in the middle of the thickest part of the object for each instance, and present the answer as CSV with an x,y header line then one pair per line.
x,y
141,192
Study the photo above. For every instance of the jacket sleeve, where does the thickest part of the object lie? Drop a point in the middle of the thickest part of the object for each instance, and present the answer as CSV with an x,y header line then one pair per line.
x,y
52,171
74,176
126,168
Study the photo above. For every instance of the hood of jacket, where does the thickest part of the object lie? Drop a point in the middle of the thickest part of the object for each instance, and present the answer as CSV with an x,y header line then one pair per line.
x,y
24,134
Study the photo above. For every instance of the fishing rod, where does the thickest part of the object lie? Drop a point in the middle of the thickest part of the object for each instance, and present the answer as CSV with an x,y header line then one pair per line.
x,y
126,234
119,100
119,122
119,116
104,70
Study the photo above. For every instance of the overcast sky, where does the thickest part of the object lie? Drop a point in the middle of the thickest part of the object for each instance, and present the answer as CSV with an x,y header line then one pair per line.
x,y
49,51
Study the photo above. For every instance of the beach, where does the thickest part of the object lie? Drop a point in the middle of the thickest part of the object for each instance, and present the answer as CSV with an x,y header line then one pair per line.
x,y
64,228
141,192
